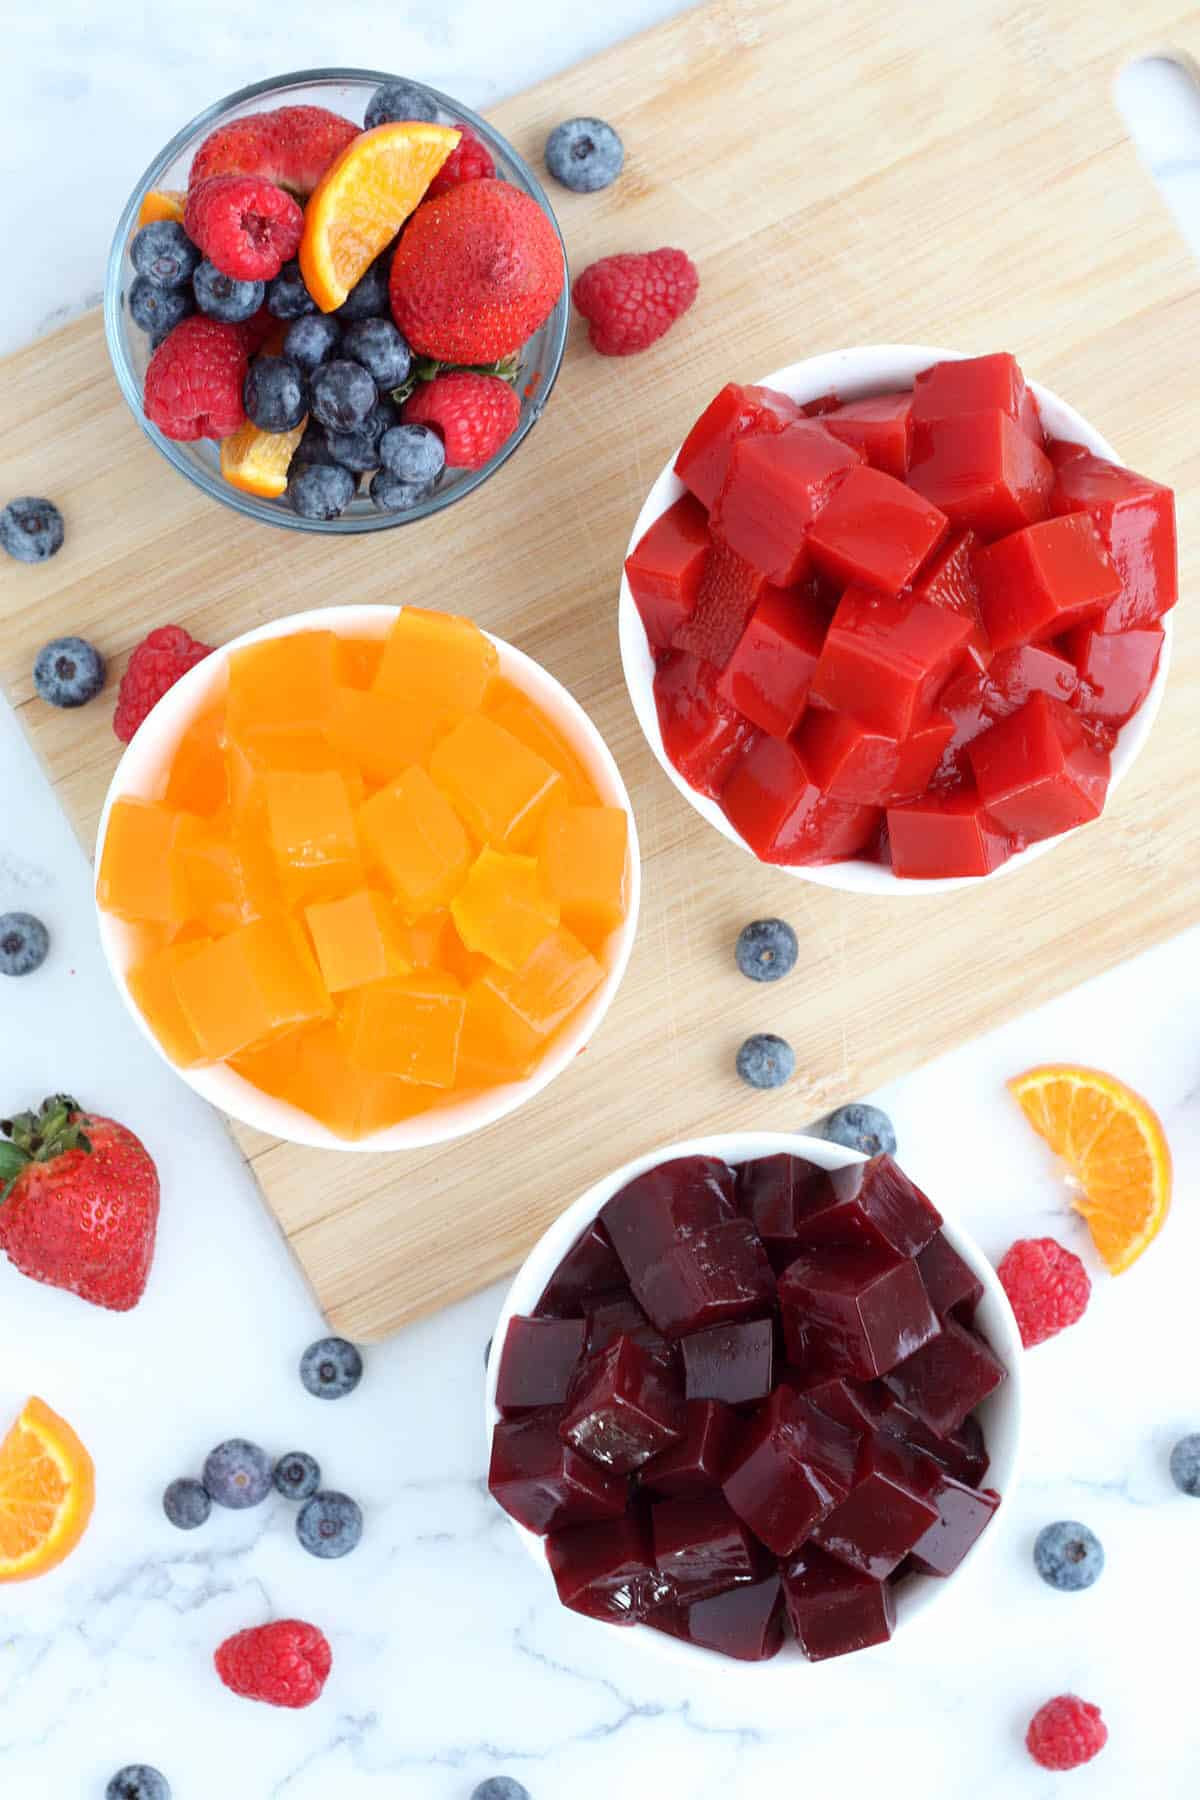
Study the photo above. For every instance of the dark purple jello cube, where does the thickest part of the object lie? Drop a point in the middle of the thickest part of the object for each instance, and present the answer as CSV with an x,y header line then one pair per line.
x,y
734,1363
720,1273
853,1404
625,1405
619,1315
872,1205
542,1483
891,1506
746,1622
537,1361
835,1609
857,1312
947,1378
701,1547
697,1463
590,1267
963,1515
607,1571
667,1206
792,1467
962,1454
776,1193
951,1283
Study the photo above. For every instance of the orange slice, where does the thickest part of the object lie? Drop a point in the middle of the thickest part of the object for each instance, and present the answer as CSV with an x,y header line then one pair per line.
x,y
362,200
257,461
1114,1147
47,1489
162,203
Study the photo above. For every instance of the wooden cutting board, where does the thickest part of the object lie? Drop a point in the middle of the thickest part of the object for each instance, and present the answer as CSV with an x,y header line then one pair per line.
x,y
841,174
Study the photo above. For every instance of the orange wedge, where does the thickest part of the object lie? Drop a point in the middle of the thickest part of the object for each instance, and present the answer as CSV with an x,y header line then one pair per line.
x,y
257,461
47,1489
363,199
1114,1147
162,203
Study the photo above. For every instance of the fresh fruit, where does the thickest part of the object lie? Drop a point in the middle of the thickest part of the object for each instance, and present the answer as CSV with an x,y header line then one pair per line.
x,y
501,1787
157,663
363,199
320,491
47,1490
187,1503
766,1061
474,415
287,296
1068,1556
31,530
275,394
237,1474
258,461
247,226
631,299
343,394
297,1475
394,101
68,672
585,155
378,346
157,310
78,1204
292,146
468,161
1065,1733
356,450
221,297
477,272
286,1663
1185,1465
331,1368
311,340
24,943
193,385
391,495
329,1525
1048,1288
413,453
138,1781
165,254
1115,1150
162,203
860,1127
766,950
368,298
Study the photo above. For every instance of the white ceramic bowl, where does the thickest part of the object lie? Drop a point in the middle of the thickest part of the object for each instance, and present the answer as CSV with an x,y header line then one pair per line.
x,y
140,773
1000,1415
851,374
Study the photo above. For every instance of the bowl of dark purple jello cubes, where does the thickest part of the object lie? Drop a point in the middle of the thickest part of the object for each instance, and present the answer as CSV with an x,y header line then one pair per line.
x,y
756,1397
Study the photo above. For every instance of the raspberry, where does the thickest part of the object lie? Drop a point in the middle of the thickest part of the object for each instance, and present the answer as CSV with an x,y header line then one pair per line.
x,y
474,414
1066,1733
193,385
630,300
1048,1288
285,1663
245,225
155,666
468,161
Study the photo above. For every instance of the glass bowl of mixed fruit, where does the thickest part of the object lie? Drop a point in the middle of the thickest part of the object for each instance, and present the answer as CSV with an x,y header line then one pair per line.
x,y
337,301
896,619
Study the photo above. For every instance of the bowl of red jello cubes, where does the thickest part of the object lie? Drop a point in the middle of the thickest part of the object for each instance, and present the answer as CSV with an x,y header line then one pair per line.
x,y
755,1397
896,619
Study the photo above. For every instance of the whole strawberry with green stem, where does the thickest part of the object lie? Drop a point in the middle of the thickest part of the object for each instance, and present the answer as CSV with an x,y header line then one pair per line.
x,y
78,1203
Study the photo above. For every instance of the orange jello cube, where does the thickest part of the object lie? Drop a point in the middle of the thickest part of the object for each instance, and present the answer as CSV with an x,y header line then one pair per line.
x,y
281,684
511,707
239,989
207,872
504,910
196,782
407,1026
137,874
416,837
308,1069
583,855
499,786
496,1044
546,989
152,984
310,828
437,662
357,661
425,943
380,735
355,940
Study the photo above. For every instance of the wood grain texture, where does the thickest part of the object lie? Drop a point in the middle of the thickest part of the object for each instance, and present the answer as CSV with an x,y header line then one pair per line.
x,y
841,175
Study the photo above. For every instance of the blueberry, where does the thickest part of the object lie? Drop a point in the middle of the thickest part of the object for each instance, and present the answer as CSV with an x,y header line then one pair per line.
x,y
138,1781
386,415
68,672
275,393
1068,1556
500,1787
379,347
24,943
396,100
369,299
1185,1457
31,529
356,450
158,310
224,298
329,1525
343,395
859,1127
297,1475
391,495
164,253
412,453
767,950
311,341
237,1474
331,1368
187,1503
320,490
287,296
766,1061
585,155
312,448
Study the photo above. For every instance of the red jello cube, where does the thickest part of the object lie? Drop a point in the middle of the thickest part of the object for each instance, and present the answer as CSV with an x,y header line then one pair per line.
x,y
983,471
538,1361
734,1363
774,489
1040,582
891,1506
835,1609
703,735
878,427
1136,521
607,1571
1036,772
701,1547
665,568
767,677
874,531
666,1206
591,1267
976,700
949,580
857,1312
875,1206
951,1283
947,1378
886,658
697,1463
746,1622
775,1193
1115,671
720,1274
976,384
851,761
946,832
618,1315
542,1483
730,589
963,1454
771,798
703,459
857,1405
964,1513
794,1465
625,1405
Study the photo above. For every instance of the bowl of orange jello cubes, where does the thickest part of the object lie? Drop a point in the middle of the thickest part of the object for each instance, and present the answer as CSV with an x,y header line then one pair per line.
x,y
368,878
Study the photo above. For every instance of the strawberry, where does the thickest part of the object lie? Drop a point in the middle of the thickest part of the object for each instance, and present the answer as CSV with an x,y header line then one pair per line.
x,y
476,272
473,414
292,147
631,299
78,1203
193,385
247,227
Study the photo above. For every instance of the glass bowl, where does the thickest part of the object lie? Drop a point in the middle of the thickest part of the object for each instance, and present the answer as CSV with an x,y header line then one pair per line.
x,y
345,91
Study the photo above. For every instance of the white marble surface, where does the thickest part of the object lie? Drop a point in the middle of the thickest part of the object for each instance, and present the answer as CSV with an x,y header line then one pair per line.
x,y
451,1660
